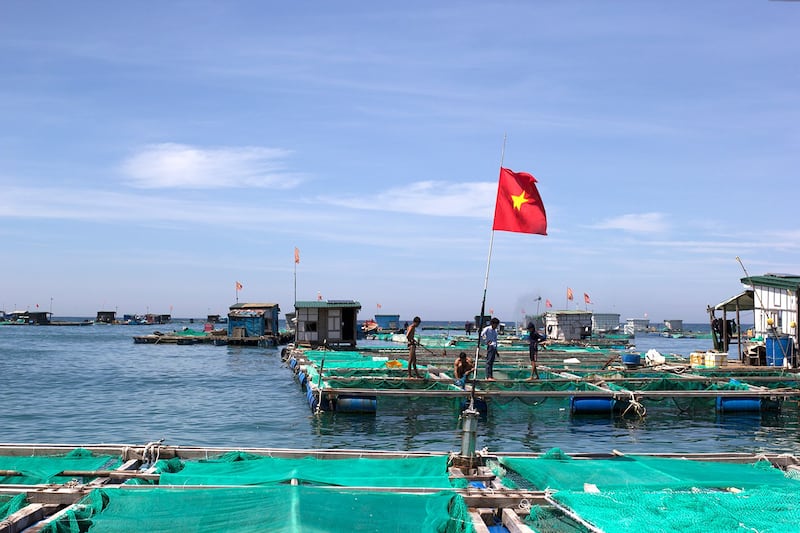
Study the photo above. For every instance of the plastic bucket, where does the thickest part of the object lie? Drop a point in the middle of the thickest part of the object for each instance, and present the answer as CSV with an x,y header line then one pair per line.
x,y
632,360
777,348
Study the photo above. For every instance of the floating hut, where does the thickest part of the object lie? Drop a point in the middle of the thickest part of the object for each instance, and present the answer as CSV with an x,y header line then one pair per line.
x,y
636,325
252,321
775,303
605,323
32,318
568,325
331,322
106,317
390,322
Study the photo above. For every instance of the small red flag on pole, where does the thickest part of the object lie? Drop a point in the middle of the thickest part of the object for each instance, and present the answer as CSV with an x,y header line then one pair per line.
x,y
296,254
569,294
586,298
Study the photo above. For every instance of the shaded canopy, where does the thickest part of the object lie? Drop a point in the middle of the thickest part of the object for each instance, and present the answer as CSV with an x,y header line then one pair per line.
x,y
743,302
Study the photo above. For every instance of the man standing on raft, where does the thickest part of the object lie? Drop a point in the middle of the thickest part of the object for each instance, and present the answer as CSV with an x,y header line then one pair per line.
x,y
412,346
534,338
489,336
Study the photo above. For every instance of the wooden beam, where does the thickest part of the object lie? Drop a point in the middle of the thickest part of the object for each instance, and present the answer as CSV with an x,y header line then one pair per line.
x,y
513,523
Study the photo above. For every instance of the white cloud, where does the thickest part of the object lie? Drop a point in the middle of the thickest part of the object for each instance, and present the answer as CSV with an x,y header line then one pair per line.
x,y
637,223
429,198
172,165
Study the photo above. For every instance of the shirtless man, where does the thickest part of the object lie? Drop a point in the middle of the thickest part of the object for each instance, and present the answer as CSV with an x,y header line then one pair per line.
x,y
412,347
462,366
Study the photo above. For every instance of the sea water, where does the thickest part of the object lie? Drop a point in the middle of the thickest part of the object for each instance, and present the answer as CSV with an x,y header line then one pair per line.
x,y
92,385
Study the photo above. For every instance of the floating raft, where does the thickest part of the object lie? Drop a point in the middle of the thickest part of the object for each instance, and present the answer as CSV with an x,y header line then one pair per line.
x,y
217,338
598,383
154,487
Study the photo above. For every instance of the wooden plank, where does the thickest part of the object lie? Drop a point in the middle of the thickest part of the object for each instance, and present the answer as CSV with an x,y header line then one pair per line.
x,y
477,522
513,523
117,474
25,517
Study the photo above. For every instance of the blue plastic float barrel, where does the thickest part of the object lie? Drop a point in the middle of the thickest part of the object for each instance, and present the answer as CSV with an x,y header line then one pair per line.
x,y
292,362
746,405
301,377
632,360
591,405
349,404
312,400
777,347
738,405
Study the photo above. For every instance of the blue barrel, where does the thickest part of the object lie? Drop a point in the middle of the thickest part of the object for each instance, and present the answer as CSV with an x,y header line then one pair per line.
x,y
301,377
594,406
777,347
738,405
312,400
632,360
347,404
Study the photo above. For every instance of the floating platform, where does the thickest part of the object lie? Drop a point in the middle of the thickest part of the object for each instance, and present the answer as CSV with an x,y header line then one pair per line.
x,y
217,338
355,381
155,487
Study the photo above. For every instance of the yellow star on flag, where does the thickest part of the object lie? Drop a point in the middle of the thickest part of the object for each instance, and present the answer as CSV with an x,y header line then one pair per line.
x,y
519,200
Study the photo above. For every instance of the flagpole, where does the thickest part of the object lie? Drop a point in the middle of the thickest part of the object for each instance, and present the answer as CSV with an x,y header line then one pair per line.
x,y
485,288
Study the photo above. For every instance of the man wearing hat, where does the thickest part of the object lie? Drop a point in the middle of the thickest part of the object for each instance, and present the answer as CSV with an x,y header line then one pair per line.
x,y
534,339
489,336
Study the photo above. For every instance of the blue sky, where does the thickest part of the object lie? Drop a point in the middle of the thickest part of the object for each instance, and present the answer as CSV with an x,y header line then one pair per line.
x,y
154,153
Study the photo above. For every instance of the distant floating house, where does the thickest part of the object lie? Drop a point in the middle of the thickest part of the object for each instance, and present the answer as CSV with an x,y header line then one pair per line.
x,y
635,325
152,318
605,323
32,318
252,320
568,325
331,323
106,317
390,322
673,325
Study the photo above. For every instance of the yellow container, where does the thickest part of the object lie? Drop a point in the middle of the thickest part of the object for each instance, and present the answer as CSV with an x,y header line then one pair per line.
x,y
697,358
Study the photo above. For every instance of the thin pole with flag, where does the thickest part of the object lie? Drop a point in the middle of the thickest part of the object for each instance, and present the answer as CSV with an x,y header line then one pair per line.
x,y
296,262
518,209
294,326
238,288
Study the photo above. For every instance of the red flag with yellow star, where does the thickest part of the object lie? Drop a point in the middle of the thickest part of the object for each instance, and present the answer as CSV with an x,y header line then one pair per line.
x,y
519,207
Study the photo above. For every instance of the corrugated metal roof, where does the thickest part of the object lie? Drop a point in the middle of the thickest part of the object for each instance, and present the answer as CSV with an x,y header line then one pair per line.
x,y
330,304
780,281
743,301
253,306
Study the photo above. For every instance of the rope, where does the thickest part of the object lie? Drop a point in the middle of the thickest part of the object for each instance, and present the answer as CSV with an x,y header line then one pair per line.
x,y
152,452
637,407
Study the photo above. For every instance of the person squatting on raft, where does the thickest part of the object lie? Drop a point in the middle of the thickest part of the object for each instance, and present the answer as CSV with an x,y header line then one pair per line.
x,y
412,346
534,339
489,336
462,366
